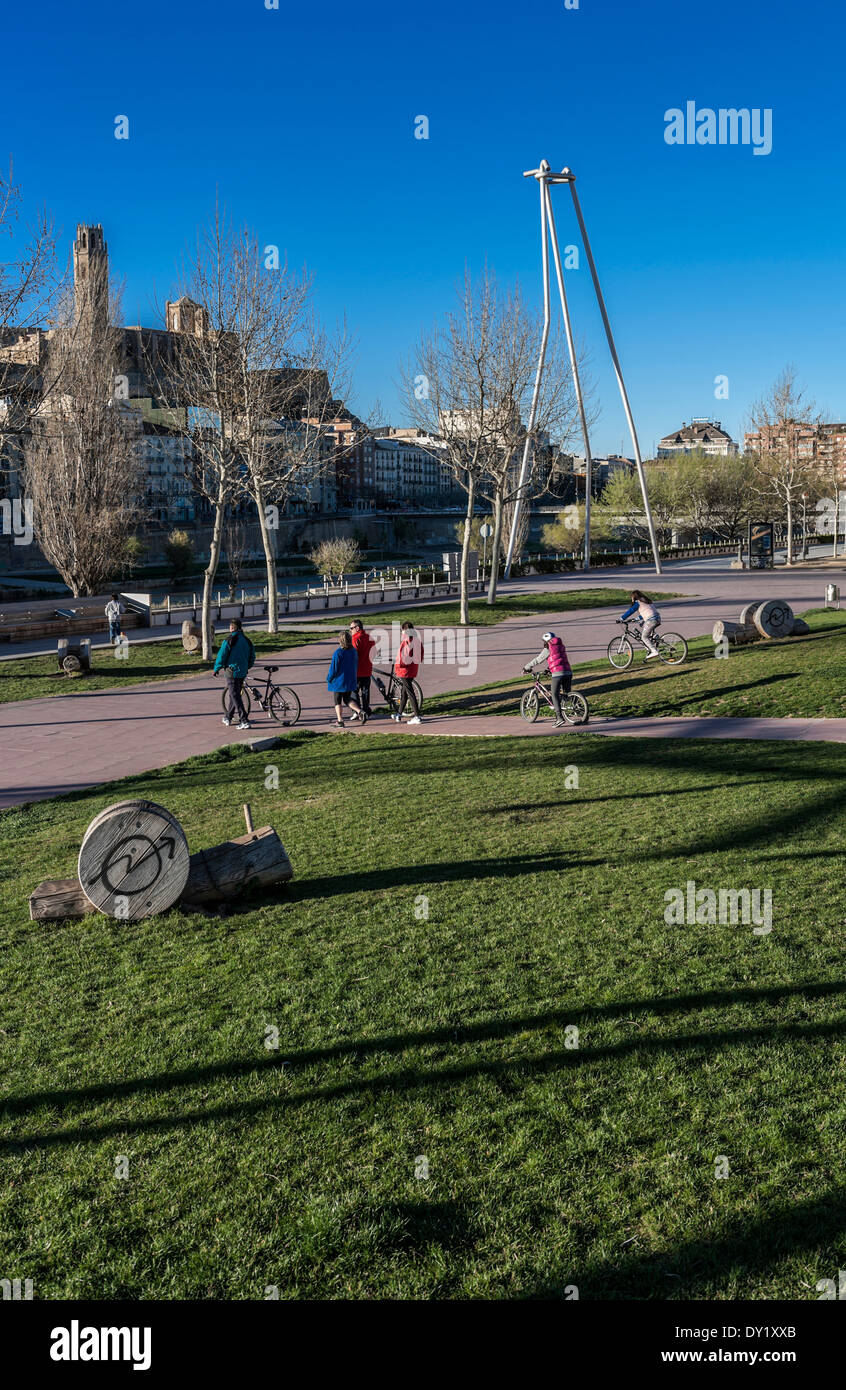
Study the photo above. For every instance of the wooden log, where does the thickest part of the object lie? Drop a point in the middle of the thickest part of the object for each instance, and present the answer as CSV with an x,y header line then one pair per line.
x,y
735,633
774,618
57,898
133,861
257,859
191,636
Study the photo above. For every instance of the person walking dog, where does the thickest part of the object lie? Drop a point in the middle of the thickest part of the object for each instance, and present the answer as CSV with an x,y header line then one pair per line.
x,y
554,653
237,654
342,680
114,612
406,667
364,644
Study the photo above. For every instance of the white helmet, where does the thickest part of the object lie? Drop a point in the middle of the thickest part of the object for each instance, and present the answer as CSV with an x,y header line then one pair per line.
x,y
548,636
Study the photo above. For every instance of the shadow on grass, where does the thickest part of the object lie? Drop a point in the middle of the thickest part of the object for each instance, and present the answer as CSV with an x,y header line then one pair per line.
x,y
455,1036
418,1080
742,1247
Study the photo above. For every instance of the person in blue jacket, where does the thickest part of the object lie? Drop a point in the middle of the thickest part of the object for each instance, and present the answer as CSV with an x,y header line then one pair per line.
x,y
342,680
237,654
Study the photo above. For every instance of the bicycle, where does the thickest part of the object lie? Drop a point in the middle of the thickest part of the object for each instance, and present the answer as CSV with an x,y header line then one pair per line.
x,y
672,647
574,706
279,702
391,692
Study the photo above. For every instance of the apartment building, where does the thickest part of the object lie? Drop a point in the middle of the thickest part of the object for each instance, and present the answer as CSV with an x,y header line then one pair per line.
x,y
702,435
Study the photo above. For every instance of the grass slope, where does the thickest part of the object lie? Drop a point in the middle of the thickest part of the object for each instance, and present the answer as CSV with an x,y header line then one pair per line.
x,y
445,1036
797,677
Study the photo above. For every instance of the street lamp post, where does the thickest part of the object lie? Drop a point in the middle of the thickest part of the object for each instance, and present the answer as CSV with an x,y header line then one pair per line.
x,y
804,525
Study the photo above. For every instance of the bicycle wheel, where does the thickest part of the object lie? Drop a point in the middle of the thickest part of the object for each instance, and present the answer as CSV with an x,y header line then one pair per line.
x,y
530,705
672,648
245,701
285,705
620,653
419,693
575,708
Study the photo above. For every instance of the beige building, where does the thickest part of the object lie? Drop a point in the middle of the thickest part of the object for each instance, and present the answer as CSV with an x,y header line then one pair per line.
x,y
701,435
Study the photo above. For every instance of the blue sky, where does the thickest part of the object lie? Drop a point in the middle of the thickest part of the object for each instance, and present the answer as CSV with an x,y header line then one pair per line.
x,y
714,261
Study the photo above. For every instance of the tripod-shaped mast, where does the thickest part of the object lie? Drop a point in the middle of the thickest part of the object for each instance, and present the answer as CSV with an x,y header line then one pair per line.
x,y
545,176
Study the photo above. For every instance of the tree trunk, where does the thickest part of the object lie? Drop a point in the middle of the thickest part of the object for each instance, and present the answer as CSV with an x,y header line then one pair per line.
x,y
210,572
789,531
464,617
495,544
270,562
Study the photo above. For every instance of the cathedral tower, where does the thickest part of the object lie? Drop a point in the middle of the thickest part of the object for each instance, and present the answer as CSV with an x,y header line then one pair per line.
x,y
91,276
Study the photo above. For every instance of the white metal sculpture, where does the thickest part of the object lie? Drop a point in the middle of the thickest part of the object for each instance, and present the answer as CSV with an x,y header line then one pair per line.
x,y
546,177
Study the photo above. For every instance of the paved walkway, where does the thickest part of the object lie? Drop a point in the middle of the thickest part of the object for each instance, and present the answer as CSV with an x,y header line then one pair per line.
x,y
66,742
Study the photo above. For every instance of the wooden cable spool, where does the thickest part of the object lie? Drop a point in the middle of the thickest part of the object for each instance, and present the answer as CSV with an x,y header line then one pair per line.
x,y
774,618
191,636
216,876
134,860
74,654
747,615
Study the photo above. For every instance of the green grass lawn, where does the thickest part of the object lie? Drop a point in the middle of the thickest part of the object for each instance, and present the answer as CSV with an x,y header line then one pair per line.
x,y
446,1037
797,677
31,677
481,614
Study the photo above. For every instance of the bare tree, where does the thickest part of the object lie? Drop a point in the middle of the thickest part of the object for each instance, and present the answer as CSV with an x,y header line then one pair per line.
x,y
339,555
783,425
199,390
260,365
29,287
469,382
293,429
83,467
235,545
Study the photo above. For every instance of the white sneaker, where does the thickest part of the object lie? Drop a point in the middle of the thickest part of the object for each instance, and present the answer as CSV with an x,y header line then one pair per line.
x,y
353,715
650,656
244,725
396,717
415,720
226,721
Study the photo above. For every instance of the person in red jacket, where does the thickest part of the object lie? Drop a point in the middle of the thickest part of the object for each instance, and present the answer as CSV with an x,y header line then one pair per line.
x,y
554,653
406,667
364,644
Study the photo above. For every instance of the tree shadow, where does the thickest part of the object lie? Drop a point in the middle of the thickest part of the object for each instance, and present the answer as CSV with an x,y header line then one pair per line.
x,y
418,1080
693,1270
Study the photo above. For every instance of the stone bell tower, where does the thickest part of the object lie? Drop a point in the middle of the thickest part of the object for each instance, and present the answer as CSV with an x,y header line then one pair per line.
x,y
91,276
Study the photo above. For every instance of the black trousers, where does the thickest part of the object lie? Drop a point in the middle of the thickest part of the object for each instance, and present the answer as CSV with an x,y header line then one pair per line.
x,y
562,680
234,703
364,693
407,694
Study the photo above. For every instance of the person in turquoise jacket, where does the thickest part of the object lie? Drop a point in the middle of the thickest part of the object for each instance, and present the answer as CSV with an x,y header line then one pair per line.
x,y
237,654
342,680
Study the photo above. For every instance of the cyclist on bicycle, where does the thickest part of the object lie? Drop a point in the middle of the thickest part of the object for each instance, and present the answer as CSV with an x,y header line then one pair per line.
x,y
554,653
649,617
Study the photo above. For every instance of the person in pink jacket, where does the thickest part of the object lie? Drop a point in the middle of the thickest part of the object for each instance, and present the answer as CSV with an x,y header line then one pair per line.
x,y
554,653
